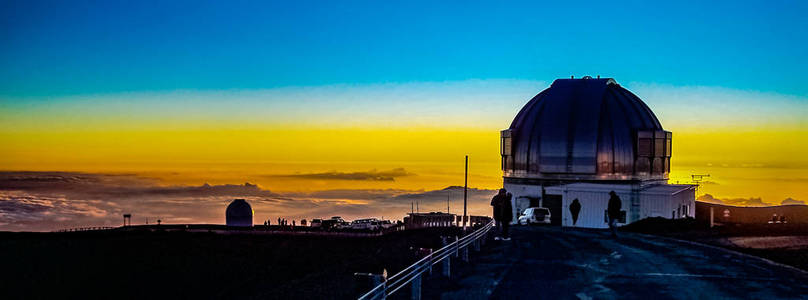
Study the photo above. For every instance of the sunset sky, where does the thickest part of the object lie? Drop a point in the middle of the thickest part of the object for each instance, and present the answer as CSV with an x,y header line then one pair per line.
x,y
359,108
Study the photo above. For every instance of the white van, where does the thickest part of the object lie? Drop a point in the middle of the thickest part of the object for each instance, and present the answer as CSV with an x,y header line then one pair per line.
x,y
535,215
366,224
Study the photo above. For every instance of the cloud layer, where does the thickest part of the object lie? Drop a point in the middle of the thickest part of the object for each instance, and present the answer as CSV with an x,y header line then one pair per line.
x,y
790,201
43,201
371,175
752,201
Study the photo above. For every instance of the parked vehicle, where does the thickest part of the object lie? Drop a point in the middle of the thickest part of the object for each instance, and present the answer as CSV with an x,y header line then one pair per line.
x,y
535,215
329,224
340,223
316,223
372,224
386,224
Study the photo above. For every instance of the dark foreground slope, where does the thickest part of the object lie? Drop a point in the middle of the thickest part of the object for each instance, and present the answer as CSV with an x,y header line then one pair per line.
x,y
790,247
568,263
149,265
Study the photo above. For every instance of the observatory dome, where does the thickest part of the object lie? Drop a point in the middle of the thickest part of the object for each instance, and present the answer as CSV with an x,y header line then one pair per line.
x,y
587,129
239,213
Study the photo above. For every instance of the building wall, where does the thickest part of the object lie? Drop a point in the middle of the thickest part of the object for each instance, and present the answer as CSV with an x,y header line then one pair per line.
x,y
593,206
661,201
519,200
656,205
239,221
686,198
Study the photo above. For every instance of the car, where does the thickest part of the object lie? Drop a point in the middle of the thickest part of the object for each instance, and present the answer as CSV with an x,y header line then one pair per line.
x,y
386,224
339,223
535,215
315,223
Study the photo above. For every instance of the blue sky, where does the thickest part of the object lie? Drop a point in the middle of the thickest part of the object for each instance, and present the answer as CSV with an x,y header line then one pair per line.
x,y
192,92
58,48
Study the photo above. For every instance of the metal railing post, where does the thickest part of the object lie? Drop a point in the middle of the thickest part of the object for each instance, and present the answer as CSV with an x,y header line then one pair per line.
x,y
466,254
375,280
447,261
447,271
416,288
426,252
457,246
429,262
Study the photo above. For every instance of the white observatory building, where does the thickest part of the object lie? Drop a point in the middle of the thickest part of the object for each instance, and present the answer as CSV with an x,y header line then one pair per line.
x,y
581,139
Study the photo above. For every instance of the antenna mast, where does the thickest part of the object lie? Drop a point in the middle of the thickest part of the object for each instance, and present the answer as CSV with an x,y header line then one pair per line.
x,y
465,192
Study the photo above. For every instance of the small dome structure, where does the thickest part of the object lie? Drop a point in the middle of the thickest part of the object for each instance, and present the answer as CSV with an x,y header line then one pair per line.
x,y
587,129
239,214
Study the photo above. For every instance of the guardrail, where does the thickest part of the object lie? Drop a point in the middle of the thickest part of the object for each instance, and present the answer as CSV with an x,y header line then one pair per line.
x,y
77,229
412,274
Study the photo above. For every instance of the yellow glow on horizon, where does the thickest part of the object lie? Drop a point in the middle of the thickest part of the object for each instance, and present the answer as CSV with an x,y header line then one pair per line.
x,y
744,162
237,155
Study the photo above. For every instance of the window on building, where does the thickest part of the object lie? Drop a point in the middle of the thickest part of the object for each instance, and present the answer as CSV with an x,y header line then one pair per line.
x,y
644,147
505,144
668,147
505,147
659,147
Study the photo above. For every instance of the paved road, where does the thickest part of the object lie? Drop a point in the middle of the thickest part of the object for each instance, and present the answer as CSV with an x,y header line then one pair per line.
x,y
562,263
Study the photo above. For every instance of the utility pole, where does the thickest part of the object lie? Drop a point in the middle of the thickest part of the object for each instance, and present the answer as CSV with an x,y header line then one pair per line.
x,y
447,201
465,192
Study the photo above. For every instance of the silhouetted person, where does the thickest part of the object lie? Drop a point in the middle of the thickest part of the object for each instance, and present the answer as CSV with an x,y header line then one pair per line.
x,y
614,212
503,213
293,223
575,209
265,223
279,222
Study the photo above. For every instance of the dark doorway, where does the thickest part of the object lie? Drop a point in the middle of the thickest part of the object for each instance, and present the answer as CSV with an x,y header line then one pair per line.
x,y
553,203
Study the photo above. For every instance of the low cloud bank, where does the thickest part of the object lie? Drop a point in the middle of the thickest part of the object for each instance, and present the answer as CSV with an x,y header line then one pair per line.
x,y
371,175
746,201
44,201
790,201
